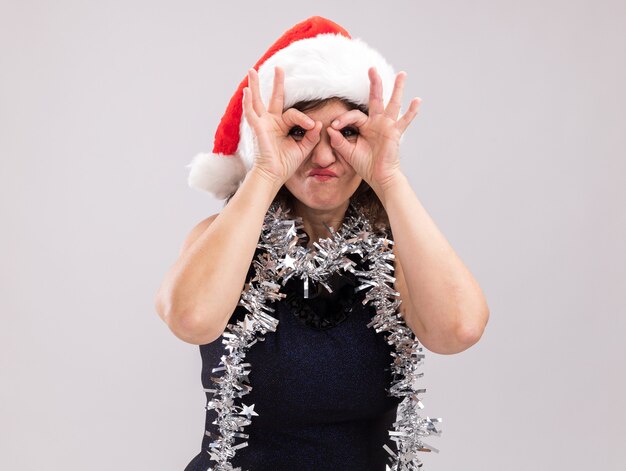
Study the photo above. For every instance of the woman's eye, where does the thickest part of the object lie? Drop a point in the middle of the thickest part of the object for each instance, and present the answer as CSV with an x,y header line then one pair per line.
x,y
297,132
350,131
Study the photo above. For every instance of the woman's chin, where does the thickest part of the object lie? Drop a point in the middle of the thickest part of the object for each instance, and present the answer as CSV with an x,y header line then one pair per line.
x,y
321,202
323,195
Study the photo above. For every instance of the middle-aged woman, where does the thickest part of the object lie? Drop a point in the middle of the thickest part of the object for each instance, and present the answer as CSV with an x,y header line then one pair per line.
x,y
343,271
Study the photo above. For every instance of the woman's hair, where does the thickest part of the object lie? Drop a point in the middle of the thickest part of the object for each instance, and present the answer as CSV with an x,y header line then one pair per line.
x,y
363,197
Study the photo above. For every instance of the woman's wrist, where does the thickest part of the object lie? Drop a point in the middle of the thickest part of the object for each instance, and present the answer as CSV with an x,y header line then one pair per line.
x,y
384,189
265,179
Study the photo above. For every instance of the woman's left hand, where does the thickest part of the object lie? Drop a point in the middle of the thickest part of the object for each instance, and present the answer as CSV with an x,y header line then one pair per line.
x,y
375,153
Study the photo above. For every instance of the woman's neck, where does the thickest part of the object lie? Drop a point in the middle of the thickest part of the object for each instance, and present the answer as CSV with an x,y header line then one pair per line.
x,y
316,220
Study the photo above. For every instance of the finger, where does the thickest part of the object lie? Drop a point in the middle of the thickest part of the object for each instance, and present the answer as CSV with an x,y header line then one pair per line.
x,y
278,92
341,145
351,117
407,117
376,92
253,83
293,117
311,138
395,102
248,111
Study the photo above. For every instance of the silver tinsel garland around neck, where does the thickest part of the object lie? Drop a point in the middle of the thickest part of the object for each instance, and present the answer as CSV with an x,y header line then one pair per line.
x,y
283,256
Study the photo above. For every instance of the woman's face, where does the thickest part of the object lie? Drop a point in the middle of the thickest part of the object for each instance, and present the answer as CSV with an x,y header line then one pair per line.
x,y
325,192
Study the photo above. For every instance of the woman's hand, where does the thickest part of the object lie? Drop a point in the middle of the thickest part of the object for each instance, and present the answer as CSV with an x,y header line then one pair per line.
x,y
375,153
279,154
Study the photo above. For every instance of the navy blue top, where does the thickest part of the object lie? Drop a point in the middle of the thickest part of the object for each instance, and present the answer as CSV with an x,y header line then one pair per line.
x,y
318,385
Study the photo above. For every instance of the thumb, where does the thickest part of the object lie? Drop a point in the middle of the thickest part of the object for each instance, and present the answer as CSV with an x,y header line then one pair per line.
x,y
340,144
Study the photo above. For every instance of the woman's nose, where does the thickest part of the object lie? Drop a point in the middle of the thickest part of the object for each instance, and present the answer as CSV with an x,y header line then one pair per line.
x,y
323,153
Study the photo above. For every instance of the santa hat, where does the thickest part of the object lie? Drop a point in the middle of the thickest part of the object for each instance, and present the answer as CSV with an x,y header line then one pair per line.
x,y
320,60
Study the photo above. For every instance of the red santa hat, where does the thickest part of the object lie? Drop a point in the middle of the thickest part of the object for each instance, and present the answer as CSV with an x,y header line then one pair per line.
x,y
320,60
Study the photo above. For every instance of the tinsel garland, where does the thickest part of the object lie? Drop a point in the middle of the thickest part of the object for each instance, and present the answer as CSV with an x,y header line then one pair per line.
x,y
283,257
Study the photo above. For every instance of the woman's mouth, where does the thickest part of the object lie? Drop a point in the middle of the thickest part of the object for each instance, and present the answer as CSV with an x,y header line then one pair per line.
x,y
322,175
322,178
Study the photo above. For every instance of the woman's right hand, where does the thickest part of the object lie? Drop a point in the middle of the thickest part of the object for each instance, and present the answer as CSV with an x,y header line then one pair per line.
x,y
278,153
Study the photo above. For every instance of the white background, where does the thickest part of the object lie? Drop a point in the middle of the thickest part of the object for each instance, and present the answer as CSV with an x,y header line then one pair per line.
x,y
517,153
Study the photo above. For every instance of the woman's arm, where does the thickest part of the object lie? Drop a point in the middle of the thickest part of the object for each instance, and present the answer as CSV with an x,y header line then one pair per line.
x,y
201,290
203,287
445,306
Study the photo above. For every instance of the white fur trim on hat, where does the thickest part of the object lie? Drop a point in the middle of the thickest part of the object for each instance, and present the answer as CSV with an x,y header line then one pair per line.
x,y
320,67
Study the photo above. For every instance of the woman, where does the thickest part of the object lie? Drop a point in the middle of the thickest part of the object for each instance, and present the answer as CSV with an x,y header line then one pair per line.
x,y
300,379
